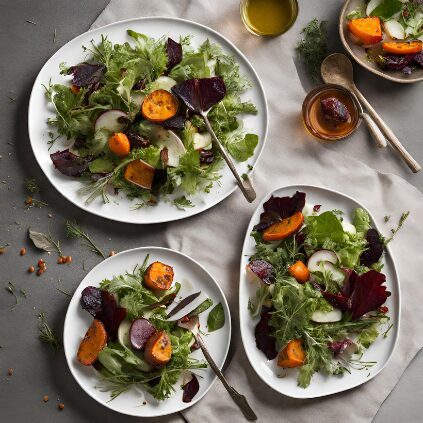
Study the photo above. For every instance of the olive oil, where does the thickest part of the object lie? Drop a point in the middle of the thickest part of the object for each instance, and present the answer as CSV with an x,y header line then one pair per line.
x,y
268,17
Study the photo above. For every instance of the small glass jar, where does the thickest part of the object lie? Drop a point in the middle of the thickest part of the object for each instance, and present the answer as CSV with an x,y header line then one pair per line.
x,y
326,129
268,18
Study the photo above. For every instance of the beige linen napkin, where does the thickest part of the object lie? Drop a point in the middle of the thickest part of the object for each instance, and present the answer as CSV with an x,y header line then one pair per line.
x,y
291,156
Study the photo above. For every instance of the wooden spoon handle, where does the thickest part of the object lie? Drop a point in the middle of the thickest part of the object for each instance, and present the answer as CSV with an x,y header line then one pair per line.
x,y
390,136
374,130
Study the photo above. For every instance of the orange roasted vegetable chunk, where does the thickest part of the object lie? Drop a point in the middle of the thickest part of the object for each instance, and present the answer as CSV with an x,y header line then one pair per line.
x,y
284,228
403,47
292,355
159,106
140,173
368,30
119,144
158,349
158,276
94,341
299,271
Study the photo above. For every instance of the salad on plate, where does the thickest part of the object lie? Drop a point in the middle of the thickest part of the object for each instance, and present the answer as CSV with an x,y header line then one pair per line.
x,y
131,114
391,31
137,336
320,295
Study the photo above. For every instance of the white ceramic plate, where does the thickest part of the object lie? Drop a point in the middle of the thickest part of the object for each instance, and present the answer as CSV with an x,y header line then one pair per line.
x,y
120,207
193,277
380,351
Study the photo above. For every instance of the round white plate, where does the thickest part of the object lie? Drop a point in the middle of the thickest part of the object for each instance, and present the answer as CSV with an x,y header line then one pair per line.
x,y
193,278
119,208
321,385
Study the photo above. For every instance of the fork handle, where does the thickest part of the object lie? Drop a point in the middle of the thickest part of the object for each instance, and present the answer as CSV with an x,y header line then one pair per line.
x,y
238,398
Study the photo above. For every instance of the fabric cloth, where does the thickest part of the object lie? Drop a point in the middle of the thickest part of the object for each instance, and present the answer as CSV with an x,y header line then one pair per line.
x,y
291,156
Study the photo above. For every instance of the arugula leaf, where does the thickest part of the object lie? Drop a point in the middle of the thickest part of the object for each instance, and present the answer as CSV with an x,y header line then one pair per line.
x,y
216,318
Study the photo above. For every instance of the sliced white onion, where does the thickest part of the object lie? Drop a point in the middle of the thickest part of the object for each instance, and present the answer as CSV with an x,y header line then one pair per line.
x,y
334,315
319,257
394,29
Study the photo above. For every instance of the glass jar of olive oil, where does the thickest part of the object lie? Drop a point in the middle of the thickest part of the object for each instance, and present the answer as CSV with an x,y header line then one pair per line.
x,y
268,18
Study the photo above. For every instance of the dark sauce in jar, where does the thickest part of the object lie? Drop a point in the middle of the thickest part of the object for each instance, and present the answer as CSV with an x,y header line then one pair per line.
x,y
318,124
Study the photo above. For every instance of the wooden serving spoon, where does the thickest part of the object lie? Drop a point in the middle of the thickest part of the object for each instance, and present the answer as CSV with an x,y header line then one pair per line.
x,y
338,69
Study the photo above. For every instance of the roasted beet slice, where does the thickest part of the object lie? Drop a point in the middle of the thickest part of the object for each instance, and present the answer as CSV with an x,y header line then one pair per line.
x,y
263,270
206,156
174,53
278,208
111,315
418,58
140,332
374,249
175,122
264,341
333,109
70,164
91,300
337,347
395,61
136,140
190,389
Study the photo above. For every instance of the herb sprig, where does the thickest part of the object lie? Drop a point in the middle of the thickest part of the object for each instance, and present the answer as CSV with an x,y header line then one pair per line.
x,y
73,230
312,48
46,334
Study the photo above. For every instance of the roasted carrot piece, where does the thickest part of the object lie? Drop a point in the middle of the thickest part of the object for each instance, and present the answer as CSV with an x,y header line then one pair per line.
x,y
119,144
74,89
284,228
94,341
368,30
158,349
292,355
158,276
299,271
140,173
159,106
403,47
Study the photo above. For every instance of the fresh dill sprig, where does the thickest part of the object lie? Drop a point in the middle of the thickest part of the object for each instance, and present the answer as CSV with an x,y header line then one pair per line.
x,y
182,203
52,139
401,221
75,231
46,334
312,48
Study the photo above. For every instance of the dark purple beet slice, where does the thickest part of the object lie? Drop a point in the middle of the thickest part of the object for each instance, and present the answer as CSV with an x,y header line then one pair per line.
x,y
335,110
374,248
190,389
206,156
175,122
264,270
264,341
111,315
140,332
136,140
70,164
87,74
174,53
199,95
395,61
91,300
278,208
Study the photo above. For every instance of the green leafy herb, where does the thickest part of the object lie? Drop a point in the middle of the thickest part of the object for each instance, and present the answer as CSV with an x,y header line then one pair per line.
x,y
312,48
262,295
401,221
182,203
387,8
216,318
73,230
357,13
45,242
206,304
30,185
46,333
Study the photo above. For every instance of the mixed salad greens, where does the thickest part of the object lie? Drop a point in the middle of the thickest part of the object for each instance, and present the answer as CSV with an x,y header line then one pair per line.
x,y
131,112
391,31
321,291
135,340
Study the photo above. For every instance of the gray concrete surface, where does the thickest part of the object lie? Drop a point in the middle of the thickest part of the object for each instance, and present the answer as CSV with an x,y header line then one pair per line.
x,y
37,372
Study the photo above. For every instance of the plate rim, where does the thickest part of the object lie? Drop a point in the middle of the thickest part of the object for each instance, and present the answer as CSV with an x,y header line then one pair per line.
x,y
148,249
260,88
345,43
242,270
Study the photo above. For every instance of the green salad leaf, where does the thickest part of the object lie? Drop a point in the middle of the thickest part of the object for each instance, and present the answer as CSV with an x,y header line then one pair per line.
x,y
216,318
